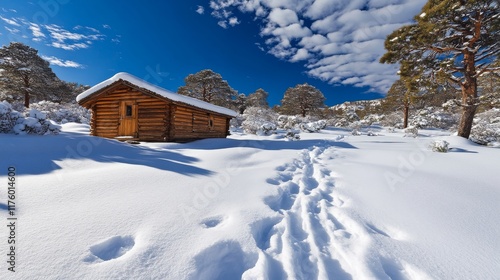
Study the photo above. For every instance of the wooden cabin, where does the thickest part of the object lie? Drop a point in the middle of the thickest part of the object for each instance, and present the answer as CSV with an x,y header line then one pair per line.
x,y
125,107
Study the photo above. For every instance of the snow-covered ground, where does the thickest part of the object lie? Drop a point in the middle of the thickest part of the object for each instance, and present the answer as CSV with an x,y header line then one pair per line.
x,y
329,206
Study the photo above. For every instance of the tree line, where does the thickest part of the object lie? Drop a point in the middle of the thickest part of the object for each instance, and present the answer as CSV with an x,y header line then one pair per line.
x,y
209,86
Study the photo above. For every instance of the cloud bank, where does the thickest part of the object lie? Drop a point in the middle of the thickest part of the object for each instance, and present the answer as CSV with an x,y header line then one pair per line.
x,y
339,42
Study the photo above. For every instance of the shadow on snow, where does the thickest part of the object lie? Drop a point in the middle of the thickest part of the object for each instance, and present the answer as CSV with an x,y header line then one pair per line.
x,y
32,155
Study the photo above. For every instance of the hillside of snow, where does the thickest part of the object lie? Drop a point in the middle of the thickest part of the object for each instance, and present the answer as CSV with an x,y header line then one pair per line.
x,y
329,206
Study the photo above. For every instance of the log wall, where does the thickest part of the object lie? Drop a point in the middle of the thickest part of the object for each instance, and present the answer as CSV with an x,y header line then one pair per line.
x,y
190,123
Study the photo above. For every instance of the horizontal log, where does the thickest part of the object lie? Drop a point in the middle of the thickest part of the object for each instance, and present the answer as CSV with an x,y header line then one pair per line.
x,y
107,106
153,114
102,113
152,127
105,123
107,130
150,101
112,120
152,120
143,108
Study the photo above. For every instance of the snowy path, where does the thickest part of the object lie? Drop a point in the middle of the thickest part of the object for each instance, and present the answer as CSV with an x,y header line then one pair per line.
x,y
315,238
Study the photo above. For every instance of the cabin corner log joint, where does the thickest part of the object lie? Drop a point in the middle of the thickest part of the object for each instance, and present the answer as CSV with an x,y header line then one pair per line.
x,y
126,107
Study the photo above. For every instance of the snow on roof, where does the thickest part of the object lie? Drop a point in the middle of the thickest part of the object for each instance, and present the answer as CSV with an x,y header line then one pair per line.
x,y
158,90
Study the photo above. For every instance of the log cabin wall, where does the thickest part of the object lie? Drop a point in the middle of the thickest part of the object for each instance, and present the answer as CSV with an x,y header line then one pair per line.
x,y
191,123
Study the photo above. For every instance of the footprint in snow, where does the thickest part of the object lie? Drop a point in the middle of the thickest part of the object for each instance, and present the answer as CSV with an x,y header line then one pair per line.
x,y
212,222
111,248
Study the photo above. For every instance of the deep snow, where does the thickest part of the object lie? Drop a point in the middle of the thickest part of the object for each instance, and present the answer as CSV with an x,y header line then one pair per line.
x,y
330,206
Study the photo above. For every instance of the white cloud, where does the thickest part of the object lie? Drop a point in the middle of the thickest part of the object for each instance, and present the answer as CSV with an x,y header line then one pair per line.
x,y
223,24
10,21
68,40
283,17
302,54
37,32
12,30
106,26
200,10
62,63
69,47
233,21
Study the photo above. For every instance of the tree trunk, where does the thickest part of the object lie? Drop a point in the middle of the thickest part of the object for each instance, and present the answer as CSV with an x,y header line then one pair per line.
x,y
406,114
469,97
466,120
26,99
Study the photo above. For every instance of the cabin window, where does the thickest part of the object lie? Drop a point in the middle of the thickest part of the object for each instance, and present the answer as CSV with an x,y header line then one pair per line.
x,y
210,122
128,111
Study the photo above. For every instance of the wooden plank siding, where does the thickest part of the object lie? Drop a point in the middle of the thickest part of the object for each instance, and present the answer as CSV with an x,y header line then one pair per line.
x,y
158,118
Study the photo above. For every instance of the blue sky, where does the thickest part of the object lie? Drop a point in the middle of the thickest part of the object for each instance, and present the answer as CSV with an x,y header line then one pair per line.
x,y
333,45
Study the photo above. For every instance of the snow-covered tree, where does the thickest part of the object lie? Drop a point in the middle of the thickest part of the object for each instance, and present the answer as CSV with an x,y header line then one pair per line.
x,y
259,121
240,103
302,100
209,86
456,39
24,73
489,88
258,99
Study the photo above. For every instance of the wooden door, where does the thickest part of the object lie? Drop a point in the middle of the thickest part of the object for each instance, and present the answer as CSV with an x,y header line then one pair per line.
x,y
128,119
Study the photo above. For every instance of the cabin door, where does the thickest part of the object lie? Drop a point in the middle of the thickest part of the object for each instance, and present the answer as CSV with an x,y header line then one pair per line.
x,y
128,119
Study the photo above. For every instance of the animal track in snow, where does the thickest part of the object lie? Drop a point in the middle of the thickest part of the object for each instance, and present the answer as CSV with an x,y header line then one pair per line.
x,y
111,248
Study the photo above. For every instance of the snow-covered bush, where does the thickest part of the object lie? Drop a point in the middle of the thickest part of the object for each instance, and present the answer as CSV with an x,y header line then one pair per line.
x,y
312,126
63,113
371,133
440,146
35,122
259,120
355,132
289,122
292,135
8,117
372,119
411,132
266,128
486,129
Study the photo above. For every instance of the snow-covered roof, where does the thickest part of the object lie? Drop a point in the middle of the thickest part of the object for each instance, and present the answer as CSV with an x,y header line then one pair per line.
x,y
156,89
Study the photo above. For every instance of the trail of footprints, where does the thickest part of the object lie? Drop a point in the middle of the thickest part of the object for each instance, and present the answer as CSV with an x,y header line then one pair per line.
x,y
314,239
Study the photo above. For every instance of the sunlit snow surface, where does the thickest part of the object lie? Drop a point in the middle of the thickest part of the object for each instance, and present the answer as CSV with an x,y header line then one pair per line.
x,y
329,206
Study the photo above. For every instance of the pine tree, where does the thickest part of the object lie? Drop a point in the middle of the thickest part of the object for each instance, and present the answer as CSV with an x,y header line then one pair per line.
x,y
209,86
258,99
399,97
302,99
25,73
456,39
